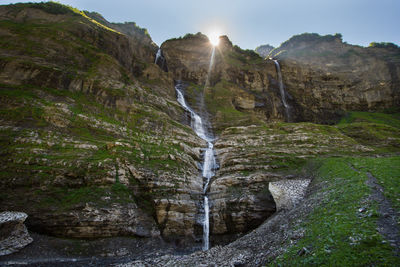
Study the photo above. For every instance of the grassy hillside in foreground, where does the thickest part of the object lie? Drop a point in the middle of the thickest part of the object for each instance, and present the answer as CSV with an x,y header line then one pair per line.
x,y
342,230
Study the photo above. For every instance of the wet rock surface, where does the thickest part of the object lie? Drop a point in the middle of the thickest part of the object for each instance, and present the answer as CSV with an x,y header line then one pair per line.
x,y
239,204
13,233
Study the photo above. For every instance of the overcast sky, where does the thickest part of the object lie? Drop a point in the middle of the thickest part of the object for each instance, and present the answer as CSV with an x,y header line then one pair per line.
x,y
250,23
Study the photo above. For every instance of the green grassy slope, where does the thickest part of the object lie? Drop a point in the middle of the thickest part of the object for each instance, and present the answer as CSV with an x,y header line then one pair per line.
x,y
342,229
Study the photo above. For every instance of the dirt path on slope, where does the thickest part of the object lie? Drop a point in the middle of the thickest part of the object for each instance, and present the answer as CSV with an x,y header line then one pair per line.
x,y
388,217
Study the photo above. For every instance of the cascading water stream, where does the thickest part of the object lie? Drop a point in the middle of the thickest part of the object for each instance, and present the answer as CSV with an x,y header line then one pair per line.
x,y
158,55
206,224
282,90
160,60
209,164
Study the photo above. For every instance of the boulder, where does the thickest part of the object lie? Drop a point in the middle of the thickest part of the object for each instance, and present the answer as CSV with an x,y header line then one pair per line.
x,y
287,193
13,233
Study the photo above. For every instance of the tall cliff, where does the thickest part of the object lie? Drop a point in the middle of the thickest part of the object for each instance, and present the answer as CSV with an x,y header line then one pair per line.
x,y
242,88
323,78
327,77
90,129
140,35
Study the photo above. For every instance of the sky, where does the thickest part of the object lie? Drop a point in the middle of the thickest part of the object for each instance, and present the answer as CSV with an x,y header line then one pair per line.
x,y
250,23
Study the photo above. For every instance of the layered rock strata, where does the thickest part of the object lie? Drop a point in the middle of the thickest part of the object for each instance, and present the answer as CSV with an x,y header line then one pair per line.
x,y
91,133
93,137
323,77
239,83
327,77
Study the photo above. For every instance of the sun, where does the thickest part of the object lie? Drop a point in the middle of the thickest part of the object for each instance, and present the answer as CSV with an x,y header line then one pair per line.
x,y
214,38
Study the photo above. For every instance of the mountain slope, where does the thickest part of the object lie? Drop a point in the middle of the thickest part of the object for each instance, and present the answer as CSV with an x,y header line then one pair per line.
x,y
323,78
94,143
90,129
326,76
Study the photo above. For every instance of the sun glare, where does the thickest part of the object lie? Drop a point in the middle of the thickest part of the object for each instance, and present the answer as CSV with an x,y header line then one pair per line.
x,y
214,38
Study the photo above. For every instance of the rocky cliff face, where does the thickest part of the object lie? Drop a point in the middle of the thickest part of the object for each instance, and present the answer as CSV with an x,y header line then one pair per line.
x,y
240,84
326,77
254,157
323,78
94,140
90,130
140,35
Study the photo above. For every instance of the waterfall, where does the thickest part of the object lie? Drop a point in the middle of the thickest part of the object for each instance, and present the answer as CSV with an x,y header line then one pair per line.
x,y
160,60
282,90
209,163
206,224
158,55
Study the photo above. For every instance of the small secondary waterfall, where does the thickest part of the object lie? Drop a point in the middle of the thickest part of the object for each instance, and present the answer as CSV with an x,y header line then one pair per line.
x,y
209,164
282,90
158,55
160,60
